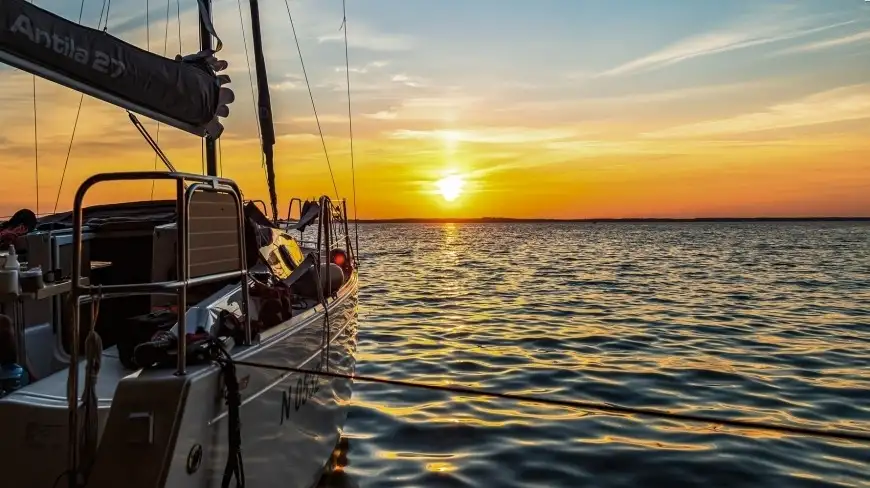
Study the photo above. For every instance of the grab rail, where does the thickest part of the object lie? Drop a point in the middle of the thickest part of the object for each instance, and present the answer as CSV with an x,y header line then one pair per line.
x,y
334,215
184,194
290,207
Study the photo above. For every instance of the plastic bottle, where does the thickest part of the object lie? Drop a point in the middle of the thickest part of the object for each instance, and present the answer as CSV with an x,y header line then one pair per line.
x,y
12,259
9,273
12,377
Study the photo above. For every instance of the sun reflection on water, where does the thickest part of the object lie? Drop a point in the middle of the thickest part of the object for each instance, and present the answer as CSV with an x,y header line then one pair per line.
x,y
691,318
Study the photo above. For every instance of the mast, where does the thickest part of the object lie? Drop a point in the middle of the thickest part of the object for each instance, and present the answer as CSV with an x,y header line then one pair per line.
x,y
205,46
264,106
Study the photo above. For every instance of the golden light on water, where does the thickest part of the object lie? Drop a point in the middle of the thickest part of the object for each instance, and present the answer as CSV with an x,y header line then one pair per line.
x,y
450,187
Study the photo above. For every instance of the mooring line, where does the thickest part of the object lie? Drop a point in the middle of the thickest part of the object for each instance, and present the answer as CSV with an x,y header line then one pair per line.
x,y
583,405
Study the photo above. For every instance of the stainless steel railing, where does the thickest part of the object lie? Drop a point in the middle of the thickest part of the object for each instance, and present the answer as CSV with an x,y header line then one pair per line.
x,y
184,196
332,227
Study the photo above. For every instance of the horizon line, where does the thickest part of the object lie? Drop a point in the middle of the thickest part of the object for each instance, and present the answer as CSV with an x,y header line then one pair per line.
x,y
490,220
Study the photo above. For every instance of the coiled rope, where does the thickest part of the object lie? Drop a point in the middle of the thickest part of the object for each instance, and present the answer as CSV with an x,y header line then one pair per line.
x,y
235,467
93,363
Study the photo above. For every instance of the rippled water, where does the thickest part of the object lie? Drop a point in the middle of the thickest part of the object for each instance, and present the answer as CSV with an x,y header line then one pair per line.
x,y
761,321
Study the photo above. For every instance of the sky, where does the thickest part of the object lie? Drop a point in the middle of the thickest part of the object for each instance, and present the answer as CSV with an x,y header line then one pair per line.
x,y
539,109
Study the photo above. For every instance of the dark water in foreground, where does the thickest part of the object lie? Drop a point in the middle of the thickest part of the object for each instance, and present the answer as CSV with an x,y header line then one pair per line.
x,y
767,322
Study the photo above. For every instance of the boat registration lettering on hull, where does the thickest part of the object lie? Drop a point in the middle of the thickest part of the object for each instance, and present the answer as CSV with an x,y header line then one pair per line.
x,y
296,397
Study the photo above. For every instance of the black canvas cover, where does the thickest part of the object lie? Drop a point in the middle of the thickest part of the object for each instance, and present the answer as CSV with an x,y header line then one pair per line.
x,y
181,93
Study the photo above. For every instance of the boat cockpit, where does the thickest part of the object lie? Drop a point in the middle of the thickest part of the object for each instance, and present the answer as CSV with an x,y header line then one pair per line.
x,y
137,243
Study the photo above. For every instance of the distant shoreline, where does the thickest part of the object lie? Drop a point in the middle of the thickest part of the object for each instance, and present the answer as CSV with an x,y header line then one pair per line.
x,y
505,220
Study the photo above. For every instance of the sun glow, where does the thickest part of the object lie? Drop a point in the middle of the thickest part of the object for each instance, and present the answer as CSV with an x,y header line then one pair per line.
x,y
450,187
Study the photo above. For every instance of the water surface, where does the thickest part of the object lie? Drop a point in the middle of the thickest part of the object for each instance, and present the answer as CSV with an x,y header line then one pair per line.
x,y
759,321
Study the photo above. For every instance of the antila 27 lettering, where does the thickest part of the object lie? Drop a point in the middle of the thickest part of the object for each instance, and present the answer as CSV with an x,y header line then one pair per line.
x,y
102,62
182,92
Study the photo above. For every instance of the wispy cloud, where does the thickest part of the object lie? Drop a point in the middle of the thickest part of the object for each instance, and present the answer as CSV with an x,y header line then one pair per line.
x,y
382,115
580,75
425,108
860,37
411,81
364,37
323,118
837,105
286,86
684,93
488,135
748,34
363,69
639,98
602,147
288,82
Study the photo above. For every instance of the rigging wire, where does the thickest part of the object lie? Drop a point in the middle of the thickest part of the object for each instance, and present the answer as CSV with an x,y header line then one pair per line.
x,y
220,159
108,6
148,48
350,129
178,22
81,101
250,76
68,152
311,95
150,140
582,405
102,11
165,43
35,144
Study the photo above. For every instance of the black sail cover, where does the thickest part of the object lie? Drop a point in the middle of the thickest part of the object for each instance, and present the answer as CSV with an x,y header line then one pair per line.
x,y
264,107
179,92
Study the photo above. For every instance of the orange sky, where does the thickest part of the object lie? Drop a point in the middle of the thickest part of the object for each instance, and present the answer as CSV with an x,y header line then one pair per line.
x,y
747,109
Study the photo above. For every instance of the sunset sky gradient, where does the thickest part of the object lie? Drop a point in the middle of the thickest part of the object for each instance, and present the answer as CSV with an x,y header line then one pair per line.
x,y
556,109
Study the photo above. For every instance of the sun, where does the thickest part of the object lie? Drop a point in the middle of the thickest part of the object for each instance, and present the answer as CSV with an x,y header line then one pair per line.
x,y
450,187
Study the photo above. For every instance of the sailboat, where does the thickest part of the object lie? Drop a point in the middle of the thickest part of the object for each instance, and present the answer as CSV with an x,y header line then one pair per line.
x,y
138,339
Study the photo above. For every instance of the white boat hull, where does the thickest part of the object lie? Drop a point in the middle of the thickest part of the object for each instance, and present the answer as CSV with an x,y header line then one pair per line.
x,y
164,430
